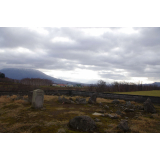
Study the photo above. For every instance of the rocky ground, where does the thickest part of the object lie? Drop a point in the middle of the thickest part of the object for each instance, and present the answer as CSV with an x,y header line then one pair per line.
x,y
78,115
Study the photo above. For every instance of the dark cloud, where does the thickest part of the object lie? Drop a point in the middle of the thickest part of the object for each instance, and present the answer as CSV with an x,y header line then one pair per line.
x,y
135,52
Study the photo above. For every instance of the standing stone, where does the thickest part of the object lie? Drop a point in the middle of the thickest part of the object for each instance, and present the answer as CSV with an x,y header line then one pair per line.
x,y
148,106
93,98
38,98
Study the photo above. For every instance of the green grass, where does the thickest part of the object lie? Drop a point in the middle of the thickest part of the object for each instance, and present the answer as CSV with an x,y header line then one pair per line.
x,y
142,93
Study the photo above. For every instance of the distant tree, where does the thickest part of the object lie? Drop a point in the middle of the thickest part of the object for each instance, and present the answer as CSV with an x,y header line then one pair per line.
x,y
2,75
101,86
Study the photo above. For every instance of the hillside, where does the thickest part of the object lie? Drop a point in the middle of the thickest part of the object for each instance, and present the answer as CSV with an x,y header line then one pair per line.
x,y
15,73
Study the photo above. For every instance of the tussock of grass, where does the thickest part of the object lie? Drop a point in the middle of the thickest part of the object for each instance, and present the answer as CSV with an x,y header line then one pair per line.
x,y
107,100
4,99
143,125
50,98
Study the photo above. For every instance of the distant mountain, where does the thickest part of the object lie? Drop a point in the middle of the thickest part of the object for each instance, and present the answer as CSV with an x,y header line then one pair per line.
x,y
15,73
156,83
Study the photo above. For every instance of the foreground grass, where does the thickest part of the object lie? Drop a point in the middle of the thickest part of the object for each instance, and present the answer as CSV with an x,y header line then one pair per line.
x,y
16,116
142,93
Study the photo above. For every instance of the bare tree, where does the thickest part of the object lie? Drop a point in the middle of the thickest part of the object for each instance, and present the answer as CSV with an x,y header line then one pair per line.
x,y
101,86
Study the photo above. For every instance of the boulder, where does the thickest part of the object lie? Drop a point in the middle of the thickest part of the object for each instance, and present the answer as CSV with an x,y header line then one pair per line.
x,y
148,106
82,123
123,125
64,100
93,98
128,104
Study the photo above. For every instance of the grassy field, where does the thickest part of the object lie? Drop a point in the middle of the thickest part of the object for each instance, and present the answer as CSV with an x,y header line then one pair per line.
x,y
17,116
142,93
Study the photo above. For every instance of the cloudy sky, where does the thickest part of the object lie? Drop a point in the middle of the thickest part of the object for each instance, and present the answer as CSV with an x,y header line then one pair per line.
x,y
84,54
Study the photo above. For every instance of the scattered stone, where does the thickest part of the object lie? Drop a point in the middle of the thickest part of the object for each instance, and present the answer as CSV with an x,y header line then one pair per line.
x,y
102,111
72,102
126,117
140,107
112,116
115,101
119,113
38,98
92,99
82,123
111,111
123,125
97,114
64,100
106,107
128,110
82,101
97,120
128,104
148,106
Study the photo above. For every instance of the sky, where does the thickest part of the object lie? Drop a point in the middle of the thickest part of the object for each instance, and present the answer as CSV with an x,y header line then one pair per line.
x,y
84,55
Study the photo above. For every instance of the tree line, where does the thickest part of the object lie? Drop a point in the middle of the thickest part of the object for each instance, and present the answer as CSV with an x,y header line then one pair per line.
x,y
36,81
101,86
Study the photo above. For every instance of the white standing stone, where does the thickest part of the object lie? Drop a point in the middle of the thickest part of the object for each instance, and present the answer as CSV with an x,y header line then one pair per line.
x,y
37,98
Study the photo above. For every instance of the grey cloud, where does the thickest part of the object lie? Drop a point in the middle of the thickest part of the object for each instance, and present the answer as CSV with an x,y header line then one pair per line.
x,y
138,53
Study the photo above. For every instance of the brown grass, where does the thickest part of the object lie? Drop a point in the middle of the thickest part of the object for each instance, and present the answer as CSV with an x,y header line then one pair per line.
x,y
144,125
18,116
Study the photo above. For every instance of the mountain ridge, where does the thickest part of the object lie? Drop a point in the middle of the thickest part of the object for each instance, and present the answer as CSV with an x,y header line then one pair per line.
x,y
18,73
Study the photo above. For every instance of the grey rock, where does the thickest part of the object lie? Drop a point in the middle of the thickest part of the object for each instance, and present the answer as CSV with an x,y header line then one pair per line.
x,y
82,123
106,107
123,125
97,120
119,113
112,116
141,107
82,101
102,111
92,99
148,106
64,100
128,104
128,110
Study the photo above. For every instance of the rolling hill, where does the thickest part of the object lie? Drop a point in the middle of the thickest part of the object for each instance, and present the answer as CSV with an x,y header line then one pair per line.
x,y
16,73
